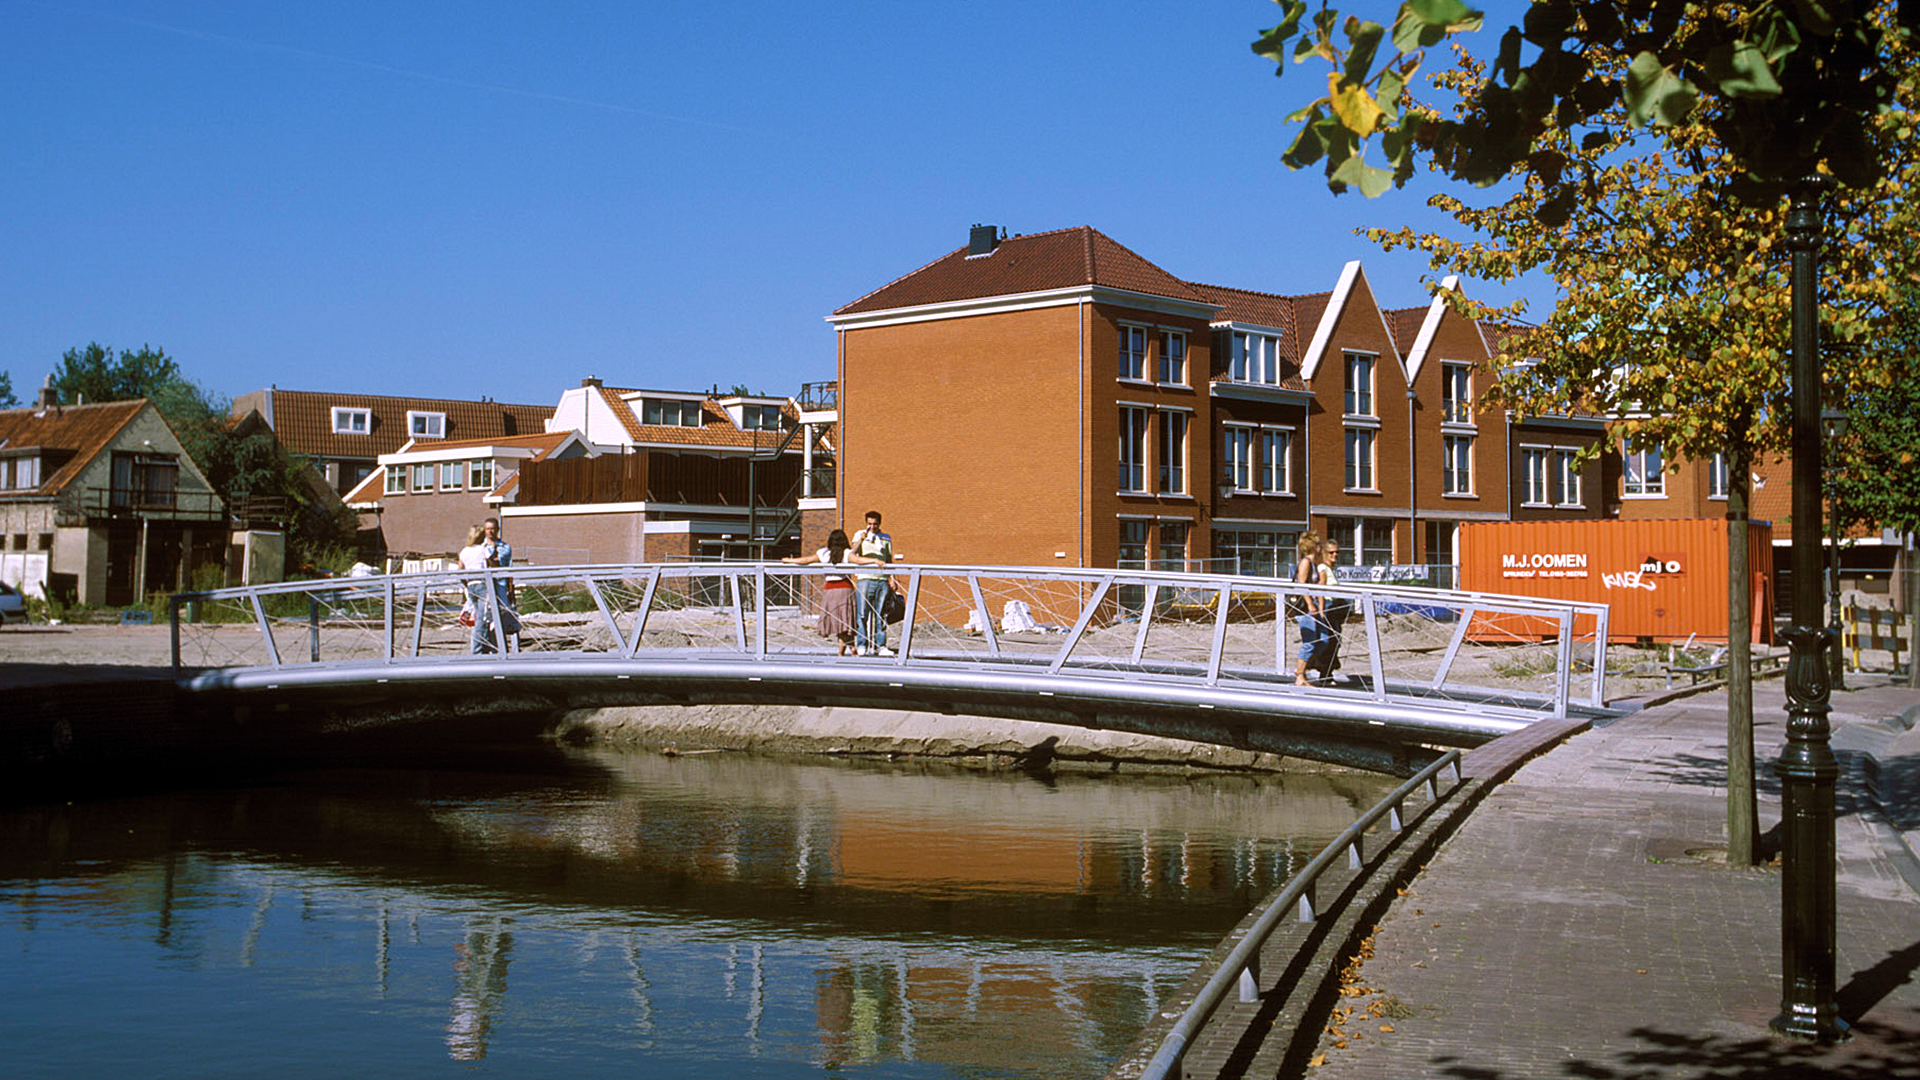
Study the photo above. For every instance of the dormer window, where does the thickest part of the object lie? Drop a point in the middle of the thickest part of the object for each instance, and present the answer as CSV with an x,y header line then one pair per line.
x,y
352,421
427,425
761,418
671,413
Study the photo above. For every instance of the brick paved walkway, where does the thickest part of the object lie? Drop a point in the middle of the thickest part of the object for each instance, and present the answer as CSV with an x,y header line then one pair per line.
x,y
1579,925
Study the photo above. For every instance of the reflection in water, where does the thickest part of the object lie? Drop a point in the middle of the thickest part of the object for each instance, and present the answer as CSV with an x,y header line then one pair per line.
x,y
700,914
480,980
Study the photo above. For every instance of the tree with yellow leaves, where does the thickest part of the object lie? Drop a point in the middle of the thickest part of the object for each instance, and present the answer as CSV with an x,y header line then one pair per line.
x,y
1673,307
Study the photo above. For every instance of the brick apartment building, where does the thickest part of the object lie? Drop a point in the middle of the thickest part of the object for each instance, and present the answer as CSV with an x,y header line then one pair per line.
x,y
1057,399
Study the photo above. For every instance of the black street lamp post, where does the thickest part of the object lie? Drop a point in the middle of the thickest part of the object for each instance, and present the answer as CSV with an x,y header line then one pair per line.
x,y
1807,768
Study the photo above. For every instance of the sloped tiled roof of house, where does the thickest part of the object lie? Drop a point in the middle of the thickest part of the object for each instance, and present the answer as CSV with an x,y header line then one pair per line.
x,y
84,430
1404,325
716,429
1258,308
303,421
1023,264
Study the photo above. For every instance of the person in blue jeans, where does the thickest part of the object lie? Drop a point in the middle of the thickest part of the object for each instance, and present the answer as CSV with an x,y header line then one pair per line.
x,y
870,624
1308,609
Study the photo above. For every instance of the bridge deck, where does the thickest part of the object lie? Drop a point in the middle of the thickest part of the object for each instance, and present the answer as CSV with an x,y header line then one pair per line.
x,y
1200,656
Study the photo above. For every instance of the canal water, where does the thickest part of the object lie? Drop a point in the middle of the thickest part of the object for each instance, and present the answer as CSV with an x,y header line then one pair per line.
x,y
562,912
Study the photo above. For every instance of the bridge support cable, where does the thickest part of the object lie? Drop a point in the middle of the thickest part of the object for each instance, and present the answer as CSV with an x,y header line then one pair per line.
x,y
646,606
1146,621
986,617
1087,612
592,588
1453,646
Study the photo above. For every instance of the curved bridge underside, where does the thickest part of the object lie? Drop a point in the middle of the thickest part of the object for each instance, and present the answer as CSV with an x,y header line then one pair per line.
x,y
1201,657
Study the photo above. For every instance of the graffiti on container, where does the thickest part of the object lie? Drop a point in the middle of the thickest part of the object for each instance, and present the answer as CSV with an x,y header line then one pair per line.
x,y
1629,579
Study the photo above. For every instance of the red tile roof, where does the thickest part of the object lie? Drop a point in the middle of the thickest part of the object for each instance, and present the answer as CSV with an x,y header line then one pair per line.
x,y
1261,309
1404,325
1023,264
716,429
82,430
374,486
303,421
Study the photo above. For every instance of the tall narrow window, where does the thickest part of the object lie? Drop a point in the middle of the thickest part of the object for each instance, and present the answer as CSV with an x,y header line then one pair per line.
x,y
1133,352
1242,466
396,479
1256,359
1717,477
1173,357
1456,465
1456,393
1276,460
1173,545
1173,453
1533,467
1133,544
1566,474
480,474
1359,459
1133,449
1359,386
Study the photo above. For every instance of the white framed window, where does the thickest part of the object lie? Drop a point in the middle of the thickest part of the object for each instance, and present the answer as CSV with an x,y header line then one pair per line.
x,y
1276,460
427,425
1173,357
1257,552
1359,385
1717,477
1133,450
1642,475
1566,474
1456,465
424,476
1133,352
1173,452
1550,476
396,479
762,418
348,421
1360,459
1242,465
669,412
480,474
1456,393
451,473
1256,359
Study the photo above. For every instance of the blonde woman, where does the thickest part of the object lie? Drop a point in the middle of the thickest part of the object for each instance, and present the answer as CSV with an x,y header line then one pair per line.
x,y
1307,608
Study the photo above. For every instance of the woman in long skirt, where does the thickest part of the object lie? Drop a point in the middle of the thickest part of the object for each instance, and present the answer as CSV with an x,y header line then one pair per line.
x,y
836,607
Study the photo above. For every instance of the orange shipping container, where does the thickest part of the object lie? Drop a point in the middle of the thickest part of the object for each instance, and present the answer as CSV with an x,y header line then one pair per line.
x,y
1664,580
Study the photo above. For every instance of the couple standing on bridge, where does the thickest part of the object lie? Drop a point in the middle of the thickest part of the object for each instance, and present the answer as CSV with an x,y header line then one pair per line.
x,y
485,548
1318,617
858,618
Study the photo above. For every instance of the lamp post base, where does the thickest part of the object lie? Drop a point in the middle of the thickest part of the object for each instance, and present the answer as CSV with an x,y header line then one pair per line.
x,y
1809,1024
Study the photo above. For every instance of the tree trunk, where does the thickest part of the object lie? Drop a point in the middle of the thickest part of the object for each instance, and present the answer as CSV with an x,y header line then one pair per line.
x,y
1743,815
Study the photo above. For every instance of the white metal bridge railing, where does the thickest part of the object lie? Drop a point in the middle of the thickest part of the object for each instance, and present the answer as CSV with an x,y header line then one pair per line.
x,y
1488,655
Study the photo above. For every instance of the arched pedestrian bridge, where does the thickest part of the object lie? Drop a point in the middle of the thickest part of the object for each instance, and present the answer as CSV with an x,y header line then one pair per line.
x,y
1198,656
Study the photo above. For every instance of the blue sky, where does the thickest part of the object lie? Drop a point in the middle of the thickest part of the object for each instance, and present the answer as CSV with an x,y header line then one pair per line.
x,y
499,198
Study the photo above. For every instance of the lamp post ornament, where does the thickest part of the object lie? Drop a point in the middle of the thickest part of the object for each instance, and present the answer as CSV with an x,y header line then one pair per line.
x,y
1807,768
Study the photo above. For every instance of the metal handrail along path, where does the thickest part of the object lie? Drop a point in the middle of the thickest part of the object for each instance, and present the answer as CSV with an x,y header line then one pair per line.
x,y
1241,967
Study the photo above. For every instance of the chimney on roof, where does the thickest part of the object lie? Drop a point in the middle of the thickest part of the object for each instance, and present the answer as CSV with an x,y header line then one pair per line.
x,y
983,239
591,380
48,396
